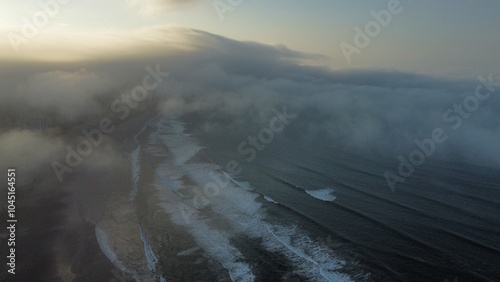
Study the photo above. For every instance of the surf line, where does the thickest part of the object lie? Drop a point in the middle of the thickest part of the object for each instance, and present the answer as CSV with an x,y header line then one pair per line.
x,y
135,160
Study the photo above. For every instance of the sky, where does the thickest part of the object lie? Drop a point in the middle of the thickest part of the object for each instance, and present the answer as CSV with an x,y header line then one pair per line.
x,y
227,74
452,37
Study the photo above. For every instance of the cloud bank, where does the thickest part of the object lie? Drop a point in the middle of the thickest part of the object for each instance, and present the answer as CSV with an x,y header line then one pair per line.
x,y
228,88
28,151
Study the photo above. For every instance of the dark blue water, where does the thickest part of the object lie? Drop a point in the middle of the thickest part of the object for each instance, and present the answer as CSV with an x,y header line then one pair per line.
x,y
304,212
443,222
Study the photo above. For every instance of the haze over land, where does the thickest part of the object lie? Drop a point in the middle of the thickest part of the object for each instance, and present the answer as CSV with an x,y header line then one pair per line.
x,y
415,107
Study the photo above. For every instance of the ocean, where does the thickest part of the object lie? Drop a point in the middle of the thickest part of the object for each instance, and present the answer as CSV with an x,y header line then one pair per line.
x,y
205,212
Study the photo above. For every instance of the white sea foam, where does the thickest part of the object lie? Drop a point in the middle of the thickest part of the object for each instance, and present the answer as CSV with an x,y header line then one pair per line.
x,y
217,245
151,258
311,259
238,207
214,242
285,241
148,251
322,194
241,184
136,171
107,249
135,160
182,147
269,199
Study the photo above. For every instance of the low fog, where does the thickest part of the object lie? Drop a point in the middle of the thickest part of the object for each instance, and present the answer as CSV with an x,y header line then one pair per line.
x,y
229,87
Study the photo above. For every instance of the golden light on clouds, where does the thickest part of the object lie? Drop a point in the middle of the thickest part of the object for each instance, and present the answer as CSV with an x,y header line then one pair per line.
x,y
65,45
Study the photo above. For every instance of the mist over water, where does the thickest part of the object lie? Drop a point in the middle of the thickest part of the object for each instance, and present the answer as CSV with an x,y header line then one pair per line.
x,y
249,162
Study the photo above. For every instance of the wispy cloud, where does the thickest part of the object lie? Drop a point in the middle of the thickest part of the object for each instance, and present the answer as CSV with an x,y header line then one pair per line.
x,y
152,7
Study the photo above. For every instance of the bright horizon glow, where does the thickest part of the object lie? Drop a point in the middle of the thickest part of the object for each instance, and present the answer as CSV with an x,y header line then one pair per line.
x,y
421,38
